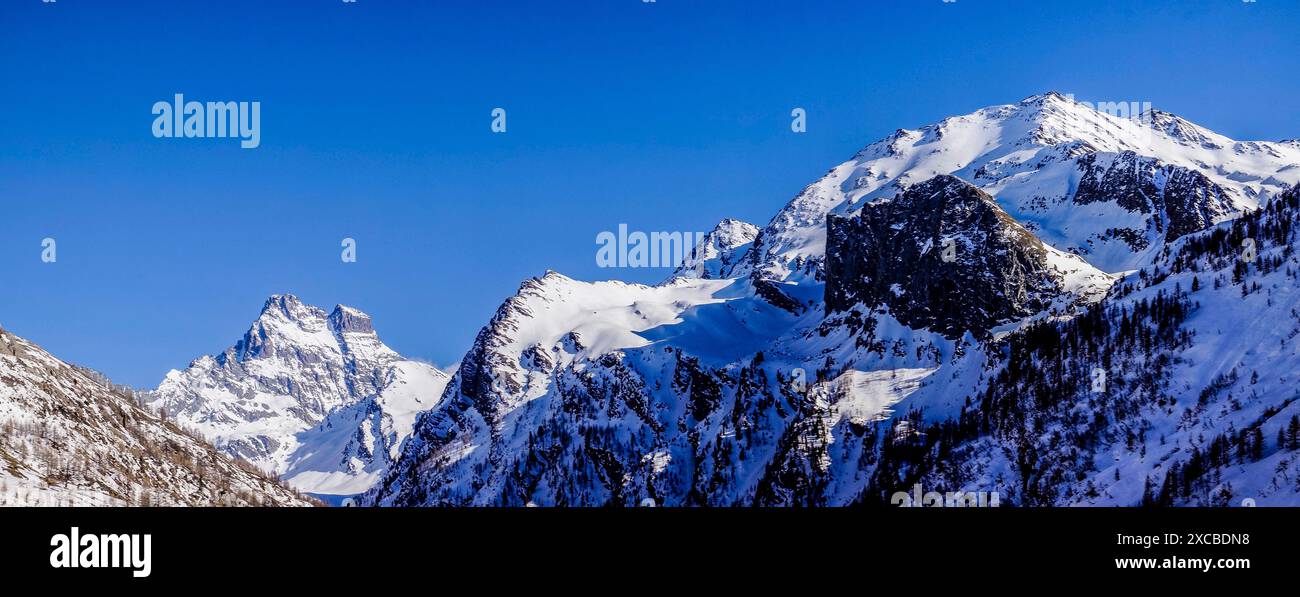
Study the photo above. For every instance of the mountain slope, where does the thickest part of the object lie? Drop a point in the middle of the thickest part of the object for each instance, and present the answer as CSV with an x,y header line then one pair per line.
x,y
312,396
69,438
1179,389
691,392
877,334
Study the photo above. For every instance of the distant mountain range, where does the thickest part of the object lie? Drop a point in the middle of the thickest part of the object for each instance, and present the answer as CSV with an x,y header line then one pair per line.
x,y
1036,299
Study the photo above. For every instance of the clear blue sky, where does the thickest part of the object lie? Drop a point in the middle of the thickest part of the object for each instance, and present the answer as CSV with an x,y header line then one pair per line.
x,y
375,125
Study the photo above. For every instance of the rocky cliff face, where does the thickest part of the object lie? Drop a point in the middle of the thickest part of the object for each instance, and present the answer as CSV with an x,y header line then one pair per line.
x,y
943,256
1177,200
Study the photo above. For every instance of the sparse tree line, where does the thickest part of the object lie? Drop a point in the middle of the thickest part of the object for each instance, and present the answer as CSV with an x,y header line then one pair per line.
x,y
1031,408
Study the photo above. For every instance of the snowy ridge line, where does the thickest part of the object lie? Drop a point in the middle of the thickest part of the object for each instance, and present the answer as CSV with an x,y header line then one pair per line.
x,y
810,369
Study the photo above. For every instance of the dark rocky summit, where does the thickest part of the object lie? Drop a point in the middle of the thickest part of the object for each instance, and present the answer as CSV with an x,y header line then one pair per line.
x,y
941,256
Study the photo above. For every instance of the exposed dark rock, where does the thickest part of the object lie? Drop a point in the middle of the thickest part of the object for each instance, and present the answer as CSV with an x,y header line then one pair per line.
x,y
941,256
771,292
1180,200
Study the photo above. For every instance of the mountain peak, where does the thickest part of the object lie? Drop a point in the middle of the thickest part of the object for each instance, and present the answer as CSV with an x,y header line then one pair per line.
x,y
288,307
719,250
1042,98
312,395
731,233
1025,155
281,301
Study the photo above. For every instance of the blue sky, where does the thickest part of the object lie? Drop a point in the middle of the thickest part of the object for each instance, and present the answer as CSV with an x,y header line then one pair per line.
x,y
375,125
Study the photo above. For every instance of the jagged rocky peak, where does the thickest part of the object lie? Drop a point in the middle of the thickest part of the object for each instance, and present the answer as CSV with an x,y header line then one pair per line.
x,y
1042,104
281,308
719,251
280,316
287,321
311,394
943,256
288,307
489,372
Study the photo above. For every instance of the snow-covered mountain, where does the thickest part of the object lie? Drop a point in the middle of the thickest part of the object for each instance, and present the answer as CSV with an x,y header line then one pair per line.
x,y
310,395
933,311
68,437
1034,157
